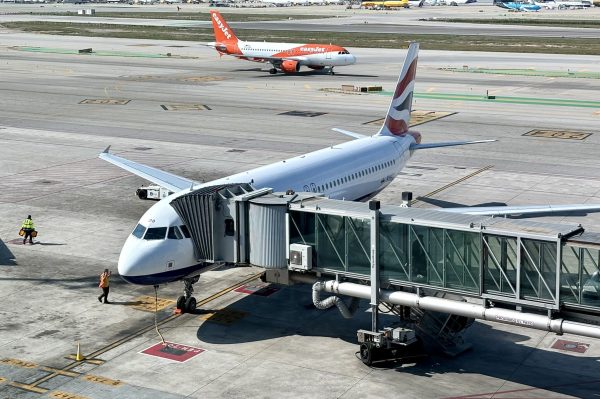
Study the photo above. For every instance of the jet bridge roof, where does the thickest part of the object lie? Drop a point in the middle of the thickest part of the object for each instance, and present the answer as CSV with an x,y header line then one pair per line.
x,y
436,218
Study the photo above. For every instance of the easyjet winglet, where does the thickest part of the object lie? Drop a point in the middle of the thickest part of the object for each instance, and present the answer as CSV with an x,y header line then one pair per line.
x,y
286,57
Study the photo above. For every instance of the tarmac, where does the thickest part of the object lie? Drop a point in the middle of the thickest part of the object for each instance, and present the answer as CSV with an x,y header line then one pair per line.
x,y
201,116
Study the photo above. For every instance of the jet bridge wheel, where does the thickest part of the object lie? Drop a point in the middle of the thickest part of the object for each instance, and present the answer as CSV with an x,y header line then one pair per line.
x,y
366,353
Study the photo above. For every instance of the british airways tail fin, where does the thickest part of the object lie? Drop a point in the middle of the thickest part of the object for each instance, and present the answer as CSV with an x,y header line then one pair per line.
x,y
223,33
398,115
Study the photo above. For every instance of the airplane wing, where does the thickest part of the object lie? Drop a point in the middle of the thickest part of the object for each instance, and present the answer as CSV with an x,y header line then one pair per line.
x,y
447,144
164,179
521,210
349,133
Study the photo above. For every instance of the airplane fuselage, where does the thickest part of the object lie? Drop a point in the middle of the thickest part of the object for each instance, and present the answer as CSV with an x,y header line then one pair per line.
x,y
351,171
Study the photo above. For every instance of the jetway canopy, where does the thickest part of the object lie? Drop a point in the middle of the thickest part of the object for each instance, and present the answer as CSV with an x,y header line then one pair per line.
x,y
518,262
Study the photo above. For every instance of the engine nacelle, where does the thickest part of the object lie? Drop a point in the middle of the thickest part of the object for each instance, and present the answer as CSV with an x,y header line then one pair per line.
x,y
290,66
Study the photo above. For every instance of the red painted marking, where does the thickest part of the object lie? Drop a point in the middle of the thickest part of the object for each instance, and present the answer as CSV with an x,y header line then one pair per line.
x,y
258,289
571,346
172,351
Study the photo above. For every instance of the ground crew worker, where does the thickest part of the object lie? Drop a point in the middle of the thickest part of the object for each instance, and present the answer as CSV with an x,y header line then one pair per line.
x,y
28,228
104,283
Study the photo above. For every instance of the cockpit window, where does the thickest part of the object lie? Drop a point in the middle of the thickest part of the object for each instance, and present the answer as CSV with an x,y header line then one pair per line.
x,y
155,233
138,231
174,233
185,231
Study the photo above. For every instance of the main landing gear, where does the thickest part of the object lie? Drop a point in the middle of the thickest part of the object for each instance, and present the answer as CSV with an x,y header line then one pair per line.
x,y
331,71
186,302
273,71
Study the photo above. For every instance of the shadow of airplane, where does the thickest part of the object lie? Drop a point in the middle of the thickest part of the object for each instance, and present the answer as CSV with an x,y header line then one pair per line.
x,y
7,258
496,353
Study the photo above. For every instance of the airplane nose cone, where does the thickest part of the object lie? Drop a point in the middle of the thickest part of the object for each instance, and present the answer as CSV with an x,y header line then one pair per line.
x,y
351,59
135,262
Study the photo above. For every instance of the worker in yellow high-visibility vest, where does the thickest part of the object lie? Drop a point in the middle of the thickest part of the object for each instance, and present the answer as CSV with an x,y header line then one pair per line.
x,y
28,227
104,284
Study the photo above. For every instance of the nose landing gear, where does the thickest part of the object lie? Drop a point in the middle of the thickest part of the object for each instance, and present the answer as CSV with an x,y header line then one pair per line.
x,y
187,303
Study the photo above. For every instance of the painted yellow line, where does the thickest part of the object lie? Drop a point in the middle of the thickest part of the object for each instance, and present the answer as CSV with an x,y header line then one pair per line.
x,y
28,387
447,186
65,395
61,372
19,363
102,380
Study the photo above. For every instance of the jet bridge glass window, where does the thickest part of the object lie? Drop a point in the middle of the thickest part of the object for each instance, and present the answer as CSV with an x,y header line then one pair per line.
x,y
139,231
155,233
174,233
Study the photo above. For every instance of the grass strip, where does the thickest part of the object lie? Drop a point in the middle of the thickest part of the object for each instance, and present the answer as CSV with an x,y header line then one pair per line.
x,y
186,16
563,23
372,40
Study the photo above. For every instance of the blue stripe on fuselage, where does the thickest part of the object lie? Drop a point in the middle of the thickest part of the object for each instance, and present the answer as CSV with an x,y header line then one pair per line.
x,y
164,277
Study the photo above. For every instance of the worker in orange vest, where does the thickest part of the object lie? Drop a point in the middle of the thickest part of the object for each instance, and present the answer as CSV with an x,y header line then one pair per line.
x,y
104,284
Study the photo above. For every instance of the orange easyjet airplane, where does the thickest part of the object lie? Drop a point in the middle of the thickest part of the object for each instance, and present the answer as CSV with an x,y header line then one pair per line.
x,y
284,56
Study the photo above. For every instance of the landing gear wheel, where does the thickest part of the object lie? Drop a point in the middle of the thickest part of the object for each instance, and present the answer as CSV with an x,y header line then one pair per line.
x,y
366,354
273,71
181,303
190,305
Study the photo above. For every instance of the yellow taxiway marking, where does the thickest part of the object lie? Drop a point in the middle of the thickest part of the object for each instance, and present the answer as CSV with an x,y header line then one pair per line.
x,y
223,316
558,134
147,303
65,395
18,363
28,387
416,117
2,380
61,372
102,380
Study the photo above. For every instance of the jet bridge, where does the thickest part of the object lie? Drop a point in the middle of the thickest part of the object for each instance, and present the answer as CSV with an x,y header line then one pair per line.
x,y
439,270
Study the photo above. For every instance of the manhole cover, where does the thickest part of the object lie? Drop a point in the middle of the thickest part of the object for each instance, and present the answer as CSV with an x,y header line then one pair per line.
x,y
309,114
571,346
558,134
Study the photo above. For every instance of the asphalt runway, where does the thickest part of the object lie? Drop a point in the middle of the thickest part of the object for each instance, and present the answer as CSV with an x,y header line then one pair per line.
x,y
201,116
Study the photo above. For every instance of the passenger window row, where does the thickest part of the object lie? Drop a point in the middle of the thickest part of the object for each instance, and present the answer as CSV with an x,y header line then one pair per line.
x,y
356,175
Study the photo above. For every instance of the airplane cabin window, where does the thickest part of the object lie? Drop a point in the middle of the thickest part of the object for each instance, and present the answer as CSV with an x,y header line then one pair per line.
x,y
185,231
174,233
139,231
155,233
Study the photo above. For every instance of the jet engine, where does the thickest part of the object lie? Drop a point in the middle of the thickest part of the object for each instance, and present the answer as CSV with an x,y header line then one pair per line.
x,y
290,66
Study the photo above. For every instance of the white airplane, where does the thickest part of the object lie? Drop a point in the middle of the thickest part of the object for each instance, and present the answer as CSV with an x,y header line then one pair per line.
x,y
287,57
160,250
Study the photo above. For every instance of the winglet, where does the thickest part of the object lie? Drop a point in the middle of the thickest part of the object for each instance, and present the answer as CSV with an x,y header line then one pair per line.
x,y
106,150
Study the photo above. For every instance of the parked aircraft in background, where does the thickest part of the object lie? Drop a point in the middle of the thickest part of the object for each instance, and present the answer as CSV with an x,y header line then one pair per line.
x,y
287,57
518,6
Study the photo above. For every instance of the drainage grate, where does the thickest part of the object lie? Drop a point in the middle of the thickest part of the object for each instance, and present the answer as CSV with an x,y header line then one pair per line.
x,y
105,101
309,114
185,107
558,134
571,346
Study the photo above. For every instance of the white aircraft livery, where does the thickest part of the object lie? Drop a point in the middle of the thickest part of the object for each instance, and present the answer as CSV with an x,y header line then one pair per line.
x,y
352,171
286,57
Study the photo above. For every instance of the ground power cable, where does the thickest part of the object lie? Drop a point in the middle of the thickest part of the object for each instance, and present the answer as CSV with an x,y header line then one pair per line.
x,y
156,315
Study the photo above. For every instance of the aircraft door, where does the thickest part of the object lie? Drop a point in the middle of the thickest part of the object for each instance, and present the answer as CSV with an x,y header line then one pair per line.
x,y
328,55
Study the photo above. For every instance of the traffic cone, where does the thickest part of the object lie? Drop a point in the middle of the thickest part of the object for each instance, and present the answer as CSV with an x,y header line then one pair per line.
x,y
79,357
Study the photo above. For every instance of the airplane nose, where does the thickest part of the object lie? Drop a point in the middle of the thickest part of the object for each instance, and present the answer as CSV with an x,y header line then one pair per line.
x,y
134,261
352,59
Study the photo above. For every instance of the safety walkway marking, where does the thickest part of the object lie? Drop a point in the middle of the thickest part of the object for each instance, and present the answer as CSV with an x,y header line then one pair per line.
x,y
92,357
462,179
560,102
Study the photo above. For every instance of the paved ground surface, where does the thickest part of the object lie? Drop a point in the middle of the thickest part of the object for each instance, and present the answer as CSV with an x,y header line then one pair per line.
x,y
262,346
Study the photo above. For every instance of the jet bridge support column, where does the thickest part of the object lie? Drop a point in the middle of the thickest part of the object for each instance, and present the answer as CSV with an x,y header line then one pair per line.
x,y
374,207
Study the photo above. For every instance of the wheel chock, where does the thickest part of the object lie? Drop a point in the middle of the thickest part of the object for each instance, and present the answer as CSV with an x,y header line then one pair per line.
x,y
178,311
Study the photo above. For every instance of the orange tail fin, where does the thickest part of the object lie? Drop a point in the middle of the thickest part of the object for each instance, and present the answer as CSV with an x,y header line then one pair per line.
x,y
223,32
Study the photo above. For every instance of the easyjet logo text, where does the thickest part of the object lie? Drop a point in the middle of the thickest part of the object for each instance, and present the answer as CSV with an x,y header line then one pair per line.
x,y
222,26
313,49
